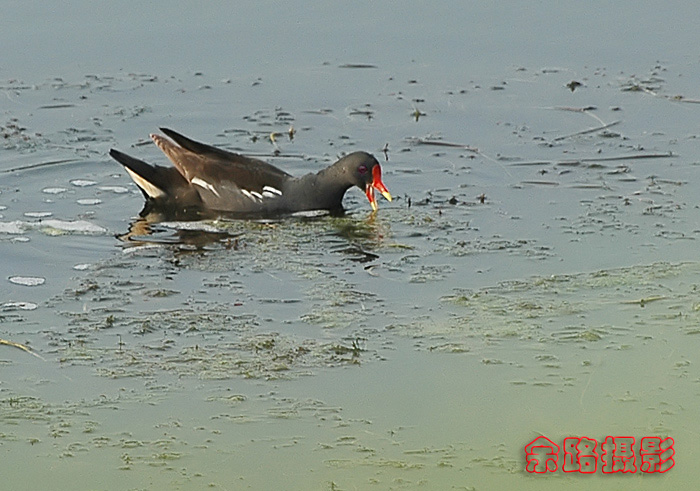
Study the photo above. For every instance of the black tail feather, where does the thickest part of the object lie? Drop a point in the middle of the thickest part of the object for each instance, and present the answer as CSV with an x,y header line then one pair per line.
x,y
165,179
143,169
193,146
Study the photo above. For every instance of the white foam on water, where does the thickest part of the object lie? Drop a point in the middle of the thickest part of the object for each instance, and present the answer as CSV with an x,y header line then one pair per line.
x,y
27,280
70,226
37,214
14,227
54,190
81,183
18,306
114,189
89,201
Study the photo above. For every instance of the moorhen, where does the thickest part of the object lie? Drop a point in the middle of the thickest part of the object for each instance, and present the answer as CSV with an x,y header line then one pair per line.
x,y
211,179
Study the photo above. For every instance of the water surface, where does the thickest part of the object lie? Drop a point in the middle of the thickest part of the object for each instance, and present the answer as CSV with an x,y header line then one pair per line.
x,y
535,275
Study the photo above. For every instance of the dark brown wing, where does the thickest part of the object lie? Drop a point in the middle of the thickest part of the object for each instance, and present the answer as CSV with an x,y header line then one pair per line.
x,y
224,180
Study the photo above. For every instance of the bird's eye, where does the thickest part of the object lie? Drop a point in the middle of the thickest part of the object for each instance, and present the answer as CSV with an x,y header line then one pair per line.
x,y
362,169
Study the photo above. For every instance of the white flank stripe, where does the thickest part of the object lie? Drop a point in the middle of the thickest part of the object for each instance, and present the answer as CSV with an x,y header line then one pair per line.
x,y
257,195
271,190
246,193
204,184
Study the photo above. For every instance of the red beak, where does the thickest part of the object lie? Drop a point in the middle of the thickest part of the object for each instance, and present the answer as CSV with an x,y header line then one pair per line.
x,y
378,185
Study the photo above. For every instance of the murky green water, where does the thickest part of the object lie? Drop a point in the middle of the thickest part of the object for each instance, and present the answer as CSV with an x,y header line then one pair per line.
x,y
536,274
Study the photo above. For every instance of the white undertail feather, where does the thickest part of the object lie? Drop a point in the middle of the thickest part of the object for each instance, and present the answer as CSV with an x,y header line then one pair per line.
x,y
149,188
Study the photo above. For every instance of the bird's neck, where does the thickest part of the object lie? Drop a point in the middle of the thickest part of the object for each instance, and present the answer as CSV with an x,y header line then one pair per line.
x,y
323,190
